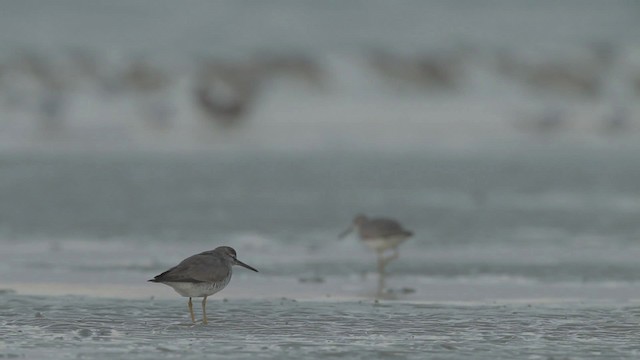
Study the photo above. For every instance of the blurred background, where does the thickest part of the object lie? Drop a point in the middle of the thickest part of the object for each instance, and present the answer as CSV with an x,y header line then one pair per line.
x,y
300,75
503,133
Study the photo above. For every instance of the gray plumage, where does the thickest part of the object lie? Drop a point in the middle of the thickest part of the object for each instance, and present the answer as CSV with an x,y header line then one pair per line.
x,y
385,233
381,228
202,275
197,268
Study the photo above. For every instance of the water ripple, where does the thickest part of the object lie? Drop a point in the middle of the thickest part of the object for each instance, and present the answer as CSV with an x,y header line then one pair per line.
x,y
64,327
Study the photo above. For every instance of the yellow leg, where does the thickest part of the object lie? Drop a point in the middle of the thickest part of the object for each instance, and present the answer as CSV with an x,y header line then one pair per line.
x,y
204,312
193,318
392,257
381,273
380,262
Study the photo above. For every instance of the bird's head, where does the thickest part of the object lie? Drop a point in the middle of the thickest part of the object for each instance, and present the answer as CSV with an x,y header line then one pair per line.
x,y
230,254
358,220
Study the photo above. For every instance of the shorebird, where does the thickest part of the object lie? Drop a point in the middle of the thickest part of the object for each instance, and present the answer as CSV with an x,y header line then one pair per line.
x,y
225,93
380,235
202,275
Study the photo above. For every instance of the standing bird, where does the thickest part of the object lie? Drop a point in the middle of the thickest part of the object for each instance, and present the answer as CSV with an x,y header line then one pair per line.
x,y
380,235
202,275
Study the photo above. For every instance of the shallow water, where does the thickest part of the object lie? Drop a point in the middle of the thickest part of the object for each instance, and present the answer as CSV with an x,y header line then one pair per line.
x,y
526,252
79,327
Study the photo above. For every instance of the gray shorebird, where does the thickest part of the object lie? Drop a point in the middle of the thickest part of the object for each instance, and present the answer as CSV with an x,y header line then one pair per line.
x,y
202,275
379,234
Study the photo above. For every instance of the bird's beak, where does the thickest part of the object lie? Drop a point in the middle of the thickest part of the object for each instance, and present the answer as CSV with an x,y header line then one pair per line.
x,y
345,233
238,262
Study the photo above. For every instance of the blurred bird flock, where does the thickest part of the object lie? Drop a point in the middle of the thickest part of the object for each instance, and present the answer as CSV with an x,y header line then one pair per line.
x,y
63,97
213,93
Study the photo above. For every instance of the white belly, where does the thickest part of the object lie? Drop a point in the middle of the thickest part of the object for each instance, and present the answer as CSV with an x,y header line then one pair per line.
x,y
188,289
385,243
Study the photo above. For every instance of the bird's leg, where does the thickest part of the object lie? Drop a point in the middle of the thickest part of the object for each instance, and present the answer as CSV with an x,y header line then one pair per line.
x,y
381,281
193,318
381,275
204,312
381,262
392,257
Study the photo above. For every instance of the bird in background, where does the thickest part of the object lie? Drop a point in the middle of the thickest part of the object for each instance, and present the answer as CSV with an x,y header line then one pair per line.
x,y
379,234
202,275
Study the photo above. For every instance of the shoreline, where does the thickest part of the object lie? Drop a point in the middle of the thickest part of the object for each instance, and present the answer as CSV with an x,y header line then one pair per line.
x,y
427,291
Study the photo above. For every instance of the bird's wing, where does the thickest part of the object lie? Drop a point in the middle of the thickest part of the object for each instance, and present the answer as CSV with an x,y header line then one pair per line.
x,y
382,228
204,267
